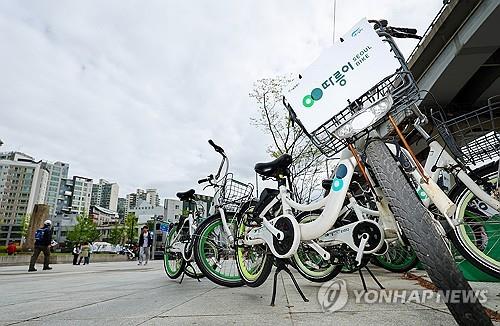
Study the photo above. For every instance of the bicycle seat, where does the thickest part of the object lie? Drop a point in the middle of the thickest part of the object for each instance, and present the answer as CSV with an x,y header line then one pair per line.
x,y
274,168
186,195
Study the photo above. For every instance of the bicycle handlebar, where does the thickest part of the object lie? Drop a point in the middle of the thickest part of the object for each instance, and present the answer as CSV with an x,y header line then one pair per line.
x,y
404,35
397,32
405,30
207,179
217,148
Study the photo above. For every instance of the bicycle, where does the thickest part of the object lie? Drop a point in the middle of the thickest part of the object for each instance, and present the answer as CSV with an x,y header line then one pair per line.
x,y
473,228
178,256
214,240
357,133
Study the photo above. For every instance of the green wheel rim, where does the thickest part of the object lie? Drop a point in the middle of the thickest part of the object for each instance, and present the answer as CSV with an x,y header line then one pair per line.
x,y
205,244
171,270
475,227
308,259
250,274
398,256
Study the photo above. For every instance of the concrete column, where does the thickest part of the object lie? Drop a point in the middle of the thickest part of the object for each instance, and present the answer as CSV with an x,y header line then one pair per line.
x,y
39,215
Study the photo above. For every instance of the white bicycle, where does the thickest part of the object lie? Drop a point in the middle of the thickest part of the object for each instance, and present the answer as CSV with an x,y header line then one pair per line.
x,y
178,257
356,132
214,249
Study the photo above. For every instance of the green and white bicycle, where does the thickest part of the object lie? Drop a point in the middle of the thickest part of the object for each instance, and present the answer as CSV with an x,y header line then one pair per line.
x,y
214,249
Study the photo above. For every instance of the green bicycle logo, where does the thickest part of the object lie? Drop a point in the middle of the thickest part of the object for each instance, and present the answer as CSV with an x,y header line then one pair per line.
x,y
309,99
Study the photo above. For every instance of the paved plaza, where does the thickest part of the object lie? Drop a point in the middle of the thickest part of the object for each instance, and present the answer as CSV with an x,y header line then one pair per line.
x,y
122,293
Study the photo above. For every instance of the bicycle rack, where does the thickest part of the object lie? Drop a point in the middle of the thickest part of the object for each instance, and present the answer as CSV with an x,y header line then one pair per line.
x,y
373,277
281,265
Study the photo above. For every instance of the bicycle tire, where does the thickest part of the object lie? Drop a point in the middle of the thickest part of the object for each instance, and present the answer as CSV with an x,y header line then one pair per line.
x,y
459,192
201,259
408,262
252,278
314,276
423,236
171,273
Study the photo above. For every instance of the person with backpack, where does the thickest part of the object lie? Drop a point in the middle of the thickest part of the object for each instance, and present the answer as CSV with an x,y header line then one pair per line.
x,y
43,241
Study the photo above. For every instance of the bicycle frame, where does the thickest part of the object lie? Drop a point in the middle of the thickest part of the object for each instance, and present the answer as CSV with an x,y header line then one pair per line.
x,y
333,207
439,158
180,246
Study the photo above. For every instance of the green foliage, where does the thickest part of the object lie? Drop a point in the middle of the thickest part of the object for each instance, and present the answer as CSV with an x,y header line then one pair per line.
x,y
117,235
151,225
84,231
25,224
131,233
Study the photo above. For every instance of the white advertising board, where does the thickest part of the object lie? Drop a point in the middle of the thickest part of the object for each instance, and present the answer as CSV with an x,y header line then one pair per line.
x,y
343,72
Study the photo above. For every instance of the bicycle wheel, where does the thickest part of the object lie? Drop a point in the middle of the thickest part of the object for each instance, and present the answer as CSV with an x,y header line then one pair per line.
x,y
173,262
477,238
254,262
417,224
399,258
214,254
308,262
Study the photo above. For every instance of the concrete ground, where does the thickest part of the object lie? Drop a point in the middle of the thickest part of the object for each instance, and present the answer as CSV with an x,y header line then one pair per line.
x,y
122,293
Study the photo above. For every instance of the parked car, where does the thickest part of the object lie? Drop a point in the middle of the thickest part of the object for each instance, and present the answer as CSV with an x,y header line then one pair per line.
x,y
103,247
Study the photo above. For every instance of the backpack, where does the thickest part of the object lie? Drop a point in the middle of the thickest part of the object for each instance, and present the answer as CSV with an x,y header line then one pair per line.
x,y
39,235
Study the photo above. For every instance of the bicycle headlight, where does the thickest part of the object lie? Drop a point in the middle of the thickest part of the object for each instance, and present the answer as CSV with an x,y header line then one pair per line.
x,y
364,118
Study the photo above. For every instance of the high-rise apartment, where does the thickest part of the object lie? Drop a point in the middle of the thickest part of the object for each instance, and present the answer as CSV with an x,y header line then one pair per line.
x,y
105,194
57,172
23,183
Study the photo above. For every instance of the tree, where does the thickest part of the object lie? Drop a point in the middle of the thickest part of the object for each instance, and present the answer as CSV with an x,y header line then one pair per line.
x,y
117,235
131,228
25,224
309,166
85,230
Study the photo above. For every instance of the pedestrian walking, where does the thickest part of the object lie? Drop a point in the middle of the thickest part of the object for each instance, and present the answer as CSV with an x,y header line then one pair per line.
x,y
91,250
77,249
84,254
145,243
43,240
11,248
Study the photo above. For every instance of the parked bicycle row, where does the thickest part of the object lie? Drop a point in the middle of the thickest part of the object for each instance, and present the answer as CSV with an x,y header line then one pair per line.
x,y
380,203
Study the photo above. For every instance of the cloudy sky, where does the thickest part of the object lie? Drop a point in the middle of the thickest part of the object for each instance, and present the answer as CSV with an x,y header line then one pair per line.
x,y
131,91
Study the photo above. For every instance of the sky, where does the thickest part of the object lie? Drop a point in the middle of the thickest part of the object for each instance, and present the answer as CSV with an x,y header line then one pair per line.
x,y
130,91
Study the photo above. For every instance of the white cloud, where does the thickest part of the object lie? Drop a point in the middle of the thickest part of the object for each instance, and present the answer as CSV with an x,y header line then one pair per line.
x,y
130,91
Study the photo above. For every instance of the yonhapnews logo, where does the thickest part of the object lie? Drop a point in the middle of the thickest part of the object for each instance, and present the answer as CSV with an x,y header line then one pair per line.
x,y
332,295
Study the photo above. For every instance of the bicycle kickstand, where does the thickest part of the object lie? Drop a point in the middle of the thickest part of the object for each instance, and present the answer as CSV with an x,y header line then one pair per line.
x,y
184,272
282,266
373,277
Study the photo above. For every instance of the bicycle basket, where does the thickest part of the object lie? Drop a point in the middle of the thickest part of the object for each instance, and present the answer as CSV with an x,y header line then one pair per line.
x,y
400,85
233,193
473,137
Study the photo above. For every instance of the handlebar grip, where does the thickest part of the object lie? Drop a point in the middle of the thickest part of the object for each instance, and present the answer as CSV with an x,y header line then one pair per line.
x,y
217,148
210,177
405,30
405,35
